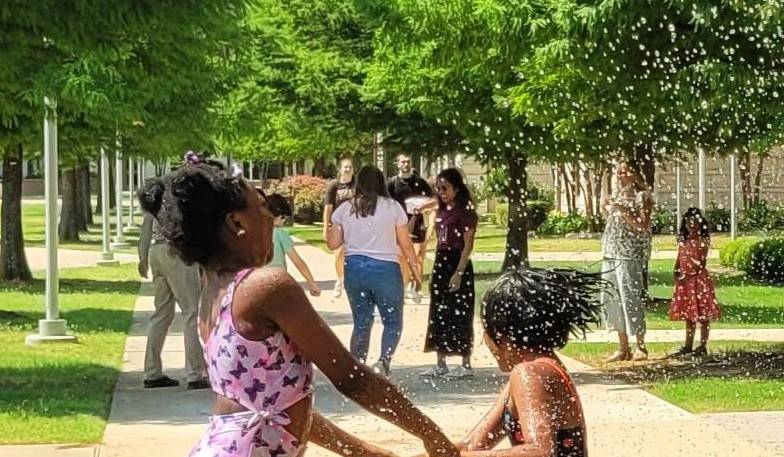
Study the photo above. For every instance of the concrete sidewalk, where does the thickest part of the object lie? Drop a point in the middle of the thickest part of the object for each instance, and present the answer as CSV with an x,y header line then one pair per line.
x,y
71,258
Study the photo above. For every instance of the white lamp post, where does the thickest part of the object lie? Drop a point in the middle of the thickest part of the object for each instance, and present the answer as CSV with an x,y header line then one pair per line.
x,y
119,238
52,328
107,256
733,202
701,177
131,227
678,191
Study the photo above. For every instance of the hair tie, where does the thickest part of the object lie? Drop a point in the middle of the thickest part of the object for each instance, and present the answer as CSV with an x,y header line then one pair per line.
x,y
191,158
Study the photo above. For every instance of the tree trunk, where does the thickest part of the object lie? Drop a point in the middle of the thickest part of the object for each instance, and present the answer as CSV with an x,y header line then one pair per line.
x,y
567,187
575,179
589,206
758,179
85,194
13,261
112,187
100,191
516,255
601,168
70,210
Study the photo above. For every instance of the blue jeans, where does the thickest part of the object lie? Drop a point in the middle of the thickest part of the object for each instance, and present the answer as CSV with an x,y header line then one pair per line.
x,y
372,284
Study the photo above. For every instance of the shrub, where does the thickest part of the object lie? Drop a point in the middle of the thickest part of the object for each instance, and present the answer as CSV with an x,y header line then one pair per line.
x,y
664,221
736,254
718,218
308,195
766,260
537,214
561,224
762,217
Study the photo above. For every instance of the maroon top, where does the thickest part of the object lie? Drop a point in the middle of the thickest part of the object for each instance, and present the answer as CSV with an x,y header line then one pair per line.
x,y
452,224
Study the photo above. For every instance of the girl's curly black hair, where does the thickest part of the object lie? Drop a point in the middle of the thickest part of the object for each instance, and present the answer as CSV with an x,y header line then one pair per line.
x,y
191,204
537,308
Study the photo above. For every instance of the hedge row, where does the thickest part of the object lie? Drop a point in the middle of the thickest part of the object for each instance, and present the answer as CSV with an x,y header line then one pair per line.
x,y
759,258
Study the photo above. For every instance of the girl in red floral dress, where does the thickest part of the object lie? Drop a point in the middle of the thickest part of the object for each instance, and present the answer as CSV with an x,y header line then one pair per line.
x,y
694,298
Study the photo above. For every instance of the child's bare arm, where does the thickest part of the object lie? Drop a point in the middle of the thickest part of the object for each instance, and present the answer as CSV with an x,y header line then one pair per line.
x,y
302,267
489,431
332,438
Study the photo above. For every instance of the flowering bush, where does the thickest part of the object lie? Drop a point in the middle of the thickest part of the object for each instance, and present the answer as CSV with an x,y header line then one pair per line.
x,y
308,194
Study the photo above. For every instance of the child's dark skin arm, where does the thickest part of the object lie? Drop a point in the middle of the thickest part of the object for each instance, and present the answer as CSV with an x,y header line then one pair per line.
x,y
332,438
527,387
489,431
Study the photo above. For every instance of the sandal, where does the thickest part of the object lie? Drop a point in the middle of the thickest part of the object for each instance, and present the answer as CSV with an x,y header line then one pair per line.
x,y
640,354
619,356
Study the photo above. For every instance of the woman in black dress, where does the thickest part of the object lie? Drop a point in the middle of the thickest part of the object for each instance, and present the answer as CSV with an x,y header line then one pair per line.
x,y
450,330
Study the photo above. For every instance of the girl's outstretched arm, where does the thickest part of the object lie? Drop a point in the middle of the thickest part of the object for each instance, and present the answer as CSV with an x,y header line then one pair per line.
x,y
489,431
332,438
302,267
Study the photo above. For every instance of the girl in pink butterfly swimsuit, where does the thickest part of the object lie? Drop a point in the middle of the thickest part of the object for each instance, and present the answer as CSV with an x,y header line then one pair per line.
x,y
260,332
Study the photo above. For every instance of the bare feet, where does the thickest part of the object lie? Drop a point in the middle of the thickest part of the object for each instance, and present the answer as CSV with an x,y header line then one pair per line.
x,y
619,356
640,354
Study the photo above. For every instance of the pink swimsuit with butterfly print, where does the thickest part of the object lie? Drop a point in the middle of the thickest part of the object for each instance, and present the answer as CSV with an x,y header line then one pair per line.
x,y
266,377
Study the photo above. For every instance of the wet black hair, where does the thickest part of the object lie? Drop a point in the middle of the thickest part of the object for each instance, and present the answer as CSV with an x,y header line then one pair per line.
x,y
278,205
537,308
683,231
190,205
455,178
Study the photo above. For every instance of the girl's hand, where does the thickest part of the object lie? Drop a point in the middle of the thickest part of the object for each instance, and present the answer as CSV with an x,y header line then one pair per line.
x,y
314,289
441,448
455,281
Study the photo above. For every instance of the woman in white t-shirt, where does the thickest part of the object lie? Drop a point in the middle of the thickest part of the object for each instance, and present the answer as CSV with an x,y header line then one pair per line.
x,y
371,227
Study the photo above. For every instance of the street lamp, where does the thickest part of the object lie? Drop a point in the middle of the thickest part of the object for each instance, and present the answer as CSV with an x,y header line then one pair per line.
x,y
51,329
107,256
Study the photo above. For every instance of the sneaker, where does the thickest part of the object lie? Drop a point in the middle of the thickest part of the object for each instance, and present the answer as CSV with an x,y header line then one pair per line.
x,y
416,297
202,383
460,372
338,292
163,381
435,372
381,367
410,292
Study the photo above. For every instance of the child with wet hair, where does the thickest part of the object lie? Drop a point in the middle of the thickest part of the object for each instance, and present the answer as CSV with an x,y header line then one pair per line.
x,y
527,315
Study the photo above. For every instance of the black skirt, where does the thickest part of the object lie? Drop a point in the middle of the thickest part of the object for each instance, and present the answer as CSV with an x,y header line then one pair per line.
x,y
450,328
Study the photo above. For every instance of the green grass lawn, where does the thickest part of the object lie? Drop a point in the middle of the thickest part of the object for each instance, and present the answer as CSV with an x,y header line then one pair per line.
x,y
736,376
33,221
62,393
491,239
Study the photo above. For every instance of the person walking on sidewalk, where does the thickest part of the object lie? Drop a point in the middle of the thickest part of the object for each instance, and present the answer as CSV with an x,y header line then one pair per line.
x,y
339,191
626,248
173,282
694,297
263,335
450,326
283,245
372,227
416,197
